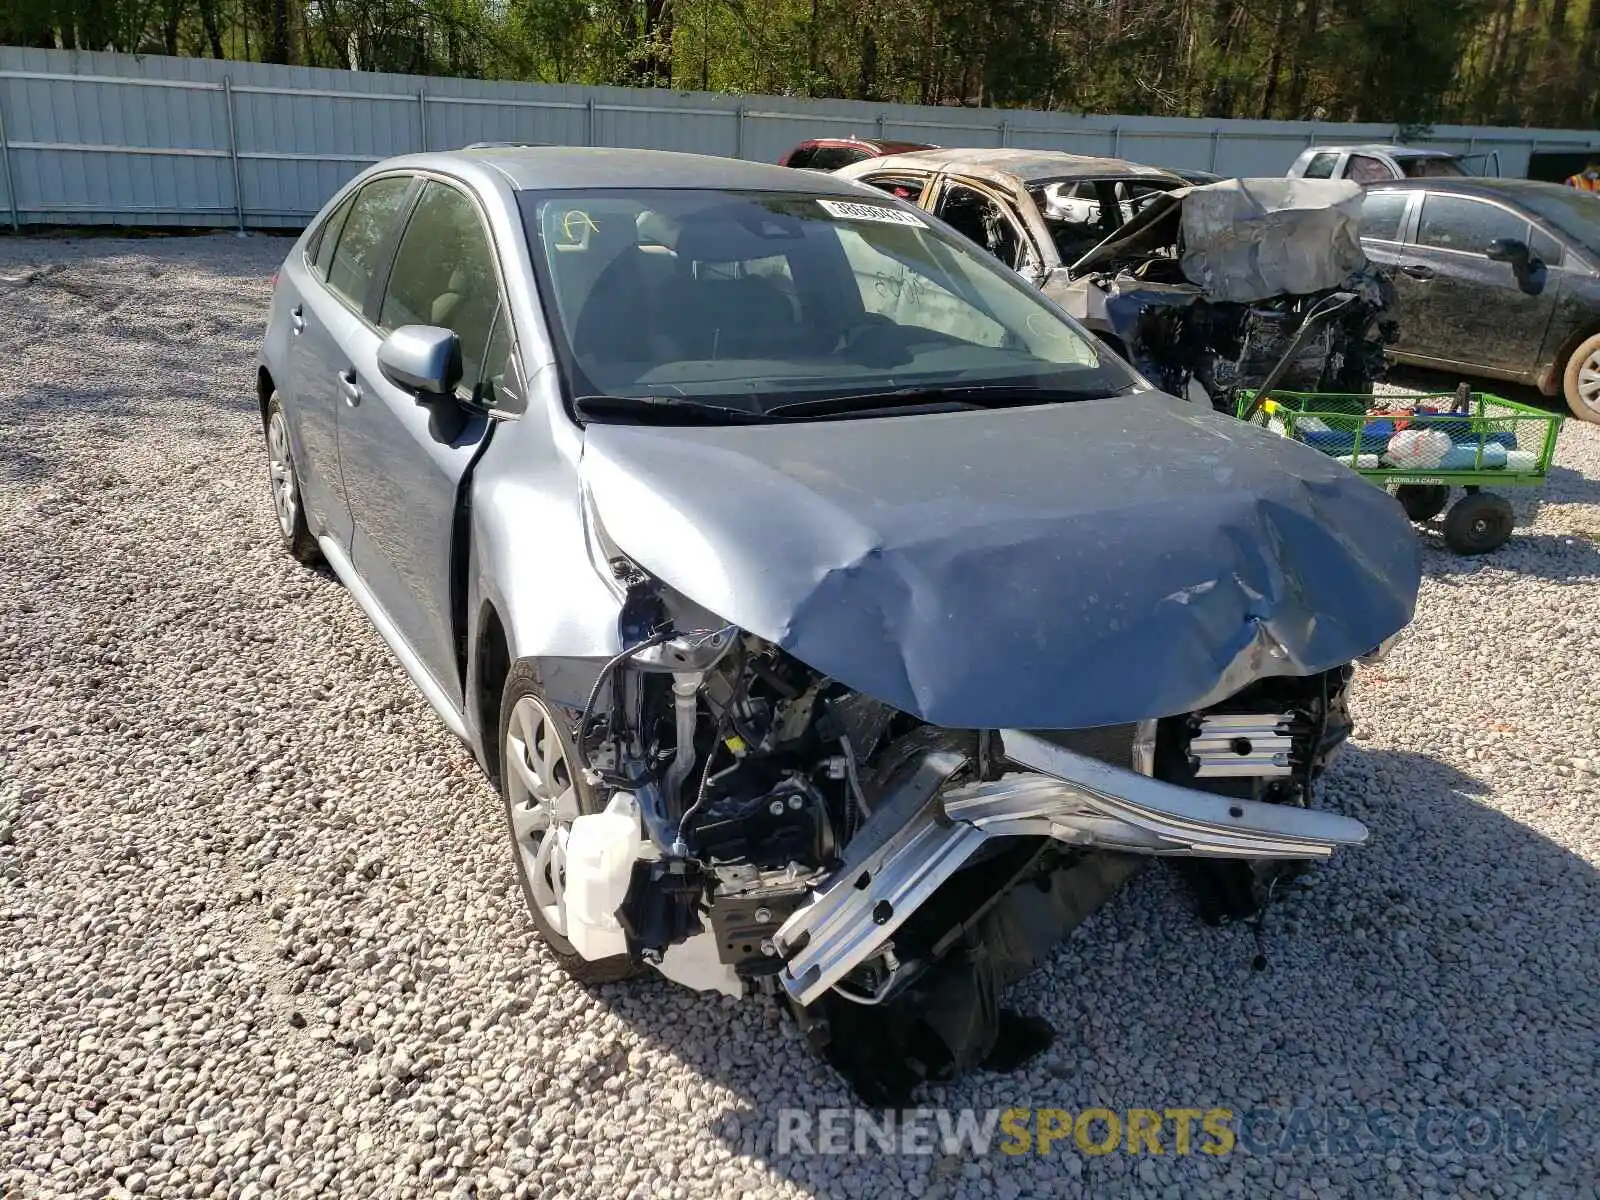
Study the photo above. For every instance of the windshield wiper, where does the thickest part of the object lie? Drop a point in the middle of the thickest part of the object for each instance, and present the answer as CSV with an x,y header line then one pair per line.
x,y
665,409
684,410
979,395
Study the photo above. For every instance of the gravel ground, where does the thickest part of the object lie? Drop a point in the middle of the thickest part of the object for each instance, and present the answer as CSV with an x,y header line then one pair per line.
x,y
261,935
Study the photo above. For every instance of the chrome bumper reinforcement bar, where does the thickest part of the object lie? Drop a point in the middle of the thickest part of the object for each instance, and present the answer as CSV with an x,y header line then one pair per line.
x,y
1061,794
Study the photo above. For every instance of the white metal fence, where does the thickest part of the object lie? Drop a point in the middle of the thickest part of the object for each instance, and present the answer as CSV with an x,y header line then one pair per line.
x,y
95,139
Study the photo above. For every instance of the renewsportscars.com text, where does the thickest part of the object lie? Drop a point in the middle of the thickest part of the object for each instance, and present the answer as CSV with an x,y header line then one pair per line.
x,y
1179,1132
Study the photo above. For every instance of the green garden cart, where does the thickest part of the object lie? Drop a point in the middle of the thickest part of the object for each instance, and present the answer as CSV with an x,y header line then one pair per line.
x,y
1420,447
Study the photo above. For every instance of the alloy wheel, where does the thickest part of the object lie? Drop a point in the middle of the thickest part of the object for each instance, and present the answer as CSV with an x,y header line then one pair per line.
x,y
1589,381
543,799
285,500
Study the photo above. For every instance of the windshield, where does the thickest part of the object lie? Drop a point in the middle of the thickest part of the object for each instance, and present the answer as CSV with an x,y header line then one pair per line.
x,y
756,300
1573,213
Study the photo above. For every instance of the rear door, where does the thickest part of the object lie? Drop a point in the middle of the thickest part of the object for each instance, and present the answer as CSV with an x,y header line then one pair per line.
x,y
309,400
1384,214
1457,305
353,249
404,460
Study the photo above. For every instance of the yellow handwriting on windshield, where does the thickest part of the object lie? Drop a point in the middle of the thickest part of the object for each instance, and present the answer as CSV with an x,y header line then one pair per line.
x,y
576,225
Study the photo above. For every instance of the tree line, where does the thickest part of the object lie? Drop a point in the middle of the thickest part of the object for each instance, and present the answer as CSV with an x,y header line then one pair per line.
x,y
1413,62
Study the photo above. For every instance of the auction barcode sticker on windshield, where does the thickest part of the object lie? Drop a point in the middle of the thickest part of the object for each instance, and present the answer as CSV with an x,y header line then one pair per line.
x,y
851,211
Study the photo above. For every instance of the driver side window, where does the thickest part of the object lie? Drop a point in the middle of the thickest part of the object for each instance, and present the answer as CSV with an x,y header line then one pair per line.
x,y
444,275
982,220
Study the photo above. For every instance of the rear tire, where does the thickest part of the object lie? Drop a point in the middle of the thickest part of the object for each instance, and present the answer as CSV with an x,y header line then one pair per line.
x,y
1478,524
1422,501
1580,383
543,789
287,506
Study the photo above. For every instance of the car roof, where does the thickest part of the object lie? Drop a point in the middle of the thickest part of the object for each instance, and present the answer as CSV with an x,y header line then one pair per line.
x,y
1467,185
1389,148
561,168
1004,165
882,145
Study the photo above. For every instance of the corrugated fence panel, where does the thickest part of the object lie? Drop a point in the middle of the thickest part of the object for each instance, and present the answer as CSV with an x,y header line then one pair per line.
x,y
119,139
99,151
453,121
692,131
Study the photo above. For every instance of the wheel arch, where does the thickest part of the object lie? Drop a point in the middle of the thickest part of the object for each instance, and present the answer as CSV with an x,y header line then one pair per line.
x,y
1552,376
491,663
264,389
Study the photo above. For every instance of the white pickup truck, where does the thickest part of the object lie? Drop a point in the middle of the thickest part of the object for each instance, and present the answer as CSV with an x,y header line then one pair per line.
x,y
1375,163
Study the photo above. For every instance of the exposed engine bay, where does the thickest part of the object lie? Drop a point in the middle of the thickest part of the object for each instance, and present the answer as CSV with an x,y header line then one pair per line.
x,y
1326,341
1245,285
780,833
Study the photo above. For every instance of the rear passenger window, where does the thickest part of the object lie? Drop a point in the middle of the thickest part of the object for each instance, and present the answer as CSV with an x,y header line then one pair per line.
x,y
1381,213
906,187
1321,166
357,256
320,251
831,158
444,275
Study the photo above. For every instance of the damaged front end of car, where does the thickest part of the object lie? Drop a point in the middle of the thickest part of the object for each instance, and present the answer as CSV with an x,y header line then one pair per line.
x,y
889,878
878,771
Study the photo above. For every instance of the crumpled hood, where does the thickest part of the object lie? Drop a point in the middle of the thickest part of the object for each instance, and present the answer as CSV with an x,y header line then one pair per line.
x,y
1051,567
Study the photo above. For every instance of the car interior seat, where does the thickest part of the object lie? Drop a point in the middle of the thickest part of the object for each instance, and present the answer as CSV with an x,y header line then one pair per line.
x,y
747,317
627,315
964,213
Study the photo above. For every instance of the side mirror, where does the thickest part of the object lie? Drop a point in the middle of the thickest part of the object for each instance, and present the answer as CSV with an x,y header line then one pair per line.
x,y
423,359
1509,250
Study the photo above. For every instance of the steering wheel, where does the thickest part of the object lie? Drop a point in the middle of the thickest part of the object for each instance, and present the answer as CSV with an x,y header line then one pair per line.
x,y
875,341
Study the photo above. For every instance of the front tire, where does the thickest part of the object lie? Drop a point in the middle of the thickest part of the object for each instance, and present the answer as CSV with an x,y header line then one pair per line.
x,y
291,513
1580,383
543,790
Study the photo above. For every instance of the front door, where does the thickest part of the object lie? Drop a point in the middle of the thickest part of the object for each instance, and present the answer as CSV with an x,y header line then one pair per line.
x,y
404,459
1459,306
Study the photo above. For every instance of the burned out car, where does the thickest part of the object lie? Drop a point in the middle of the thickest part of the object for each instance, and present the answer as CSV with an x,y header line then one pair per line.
x,y
1167,273
840,621
1037,211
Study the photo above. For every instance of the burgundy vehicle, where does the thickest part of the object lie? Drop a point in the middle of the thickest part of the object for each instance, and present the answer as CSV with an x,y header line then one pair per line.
x,y
829,154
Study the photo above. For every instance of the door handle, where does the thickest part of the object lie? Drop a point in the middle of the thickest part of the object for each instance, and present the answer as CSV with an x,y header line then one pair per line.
x,y
350,388
297,319
1418,271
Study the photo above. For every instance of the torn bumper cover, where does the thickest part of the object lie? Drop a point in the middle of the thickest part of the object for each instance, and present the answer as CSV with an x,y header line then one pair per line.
x,y
896,864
